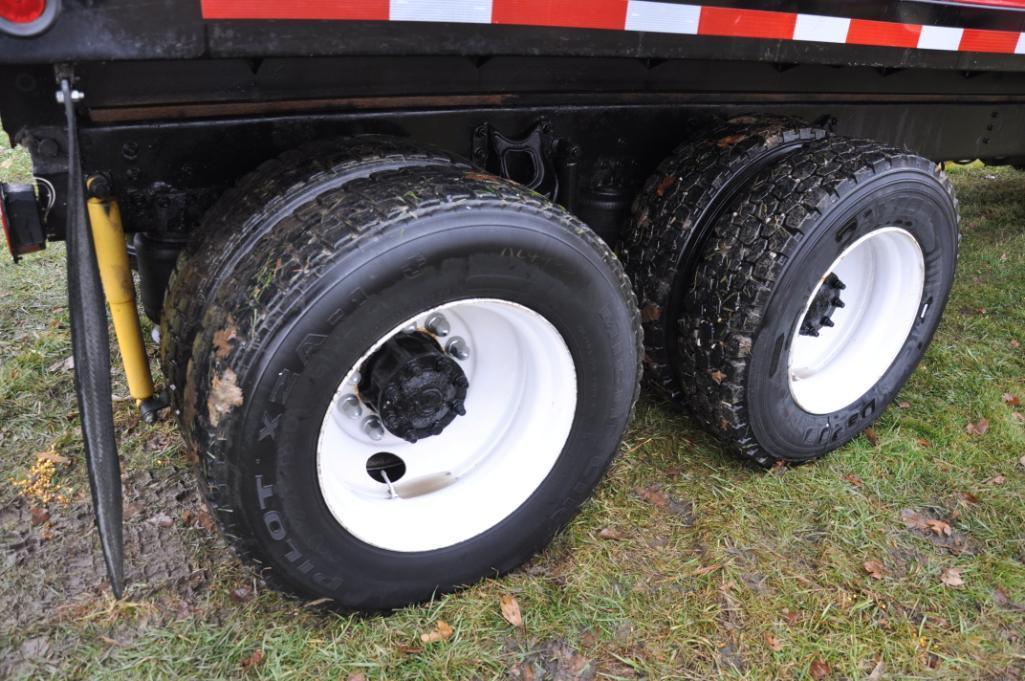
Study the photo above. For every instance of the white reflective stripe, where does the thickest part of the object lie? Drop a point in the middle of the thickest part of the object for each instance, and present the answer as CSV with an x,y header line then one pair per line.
x,y
939,38
1020,47
660,17
815,28
457,11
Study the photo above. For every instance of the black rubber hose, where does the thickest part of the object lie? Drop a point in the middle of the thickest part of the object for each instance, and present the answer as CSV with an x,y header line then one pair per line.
x,y
91,348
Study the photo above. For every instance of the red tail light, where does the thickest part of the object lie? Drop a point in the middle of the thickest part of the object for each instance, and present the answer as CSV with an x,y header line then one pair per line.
x,y
22,11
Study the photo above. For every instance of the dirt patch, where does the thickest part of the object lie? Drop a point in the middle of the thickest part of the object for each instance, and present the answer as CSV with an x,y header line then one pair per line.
x,y
54,570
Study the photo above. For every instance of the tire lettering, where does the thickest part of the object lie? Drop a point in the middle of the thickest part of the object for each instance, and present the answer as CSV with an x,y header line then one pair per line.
x,y
263,492
269,429
272,521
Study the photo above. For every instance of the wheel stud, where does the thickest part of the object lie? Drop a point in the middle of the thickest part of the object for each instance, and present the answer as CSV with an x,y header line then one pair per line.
x,y
458,348
351,407
373,428
438,325
838,303
826,321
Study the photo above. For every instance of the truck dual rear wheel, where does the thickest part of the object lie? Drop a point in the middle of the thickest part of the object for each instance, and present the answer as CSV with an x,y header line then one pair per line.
x,y
408,383
815,297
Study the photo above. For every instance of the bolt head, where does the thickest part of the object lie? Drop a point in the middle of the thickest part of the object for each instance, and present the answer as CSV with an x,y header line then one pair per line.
x,y
438,325
458,348
351,406
373,428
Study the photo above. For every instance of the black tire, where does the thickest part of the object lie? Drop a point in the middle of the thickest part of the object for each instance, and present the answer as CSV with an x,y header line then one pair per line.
x,y
672,218
229,230
770,254
332,274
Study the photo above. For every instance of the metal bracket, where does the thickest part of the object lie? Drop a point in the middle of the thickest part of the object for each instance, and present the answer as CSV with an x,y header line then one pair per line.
x,y
528,160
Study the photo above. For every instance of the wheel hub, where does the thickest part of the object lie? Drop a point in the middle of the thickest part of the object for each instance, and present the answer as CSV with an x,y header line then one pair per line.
x,y
414,386
823,305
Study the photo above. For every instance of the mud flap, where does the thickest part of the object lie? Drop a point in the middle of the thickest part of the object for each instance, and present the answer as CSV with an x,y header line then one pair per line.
x,y
91,348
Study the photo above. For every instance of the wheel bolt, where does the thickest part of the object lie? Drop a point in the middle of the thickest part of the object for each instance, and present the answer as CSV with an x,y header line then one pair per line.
x,y
351,407
355,378
438,325
409,329
373,428
458,348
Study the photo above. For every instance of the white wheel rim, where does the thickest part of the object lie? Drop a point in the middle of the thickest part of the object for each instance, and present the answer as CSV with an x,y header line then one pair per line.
x,y
884,274
520,405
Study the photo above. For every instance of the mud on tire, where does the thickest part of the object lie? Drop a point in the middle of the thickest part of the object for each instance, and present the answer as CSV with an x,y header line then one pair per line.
x,y
673,216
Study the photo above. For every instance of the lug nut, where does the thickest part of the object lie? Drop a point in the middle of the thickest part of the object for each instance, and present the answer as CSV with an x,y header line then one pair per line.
x,y
351,407
373,428
458,348
355,378
409,329
438,325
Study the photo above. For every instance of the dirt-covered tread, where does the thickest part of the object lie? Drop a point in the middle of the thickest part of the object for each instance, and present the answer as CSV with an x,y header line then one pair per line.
x,y
242,213
743,259
672,215
259,291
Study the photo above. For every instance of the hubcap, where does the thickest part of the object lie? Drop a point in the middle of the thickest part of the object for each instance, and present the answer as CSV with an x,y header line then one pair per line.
x,y
857,321
446,425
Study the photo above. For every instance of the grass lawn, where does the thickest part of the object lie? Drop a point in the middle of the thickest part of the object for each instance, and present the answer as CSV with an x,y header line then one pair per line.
x,y
900,556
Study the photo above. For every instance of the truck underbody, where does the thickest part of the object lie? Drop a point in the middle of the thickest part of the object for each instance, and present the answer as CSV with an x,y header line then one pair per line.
x,y
174,105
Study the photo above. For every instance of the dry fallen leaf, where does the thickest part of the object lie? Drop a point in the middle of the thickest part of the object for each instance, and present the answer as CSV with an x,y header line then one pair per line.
x,y
914,519
922,442
52,457
441,632
255,659
872,436
1011,400
819,669
978,428
1018,416
997,480
791,616
968,497
1001,599
874,568
707,569
241,594
357,676
409,650
717,376
904,404
877,672
66,364
654,496
772,642
853,479
610,533
951,577
938,527
1015,344
511,610
39,515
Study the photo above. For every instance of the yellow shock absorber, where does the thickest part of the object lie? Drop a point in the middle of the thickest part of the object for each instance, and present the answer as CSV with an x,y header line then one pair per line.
x,y
119,289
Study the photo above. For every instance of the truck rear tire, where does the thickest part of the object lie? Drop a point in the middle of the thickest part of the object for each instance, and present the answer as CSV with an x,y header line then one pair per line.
x,y
816,296
409,383
672,218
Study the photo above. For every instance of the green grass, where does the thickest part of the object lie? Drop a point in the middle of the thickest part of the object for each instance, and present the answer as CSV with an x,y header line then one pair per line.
x,y
699,586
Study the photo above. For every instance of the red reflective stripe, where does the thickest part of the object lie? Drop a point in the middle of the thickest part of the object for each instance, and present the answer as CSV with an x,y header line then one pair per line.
x,y
993,3
367,10
22,11
978,40
883,33
610,14
746,23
